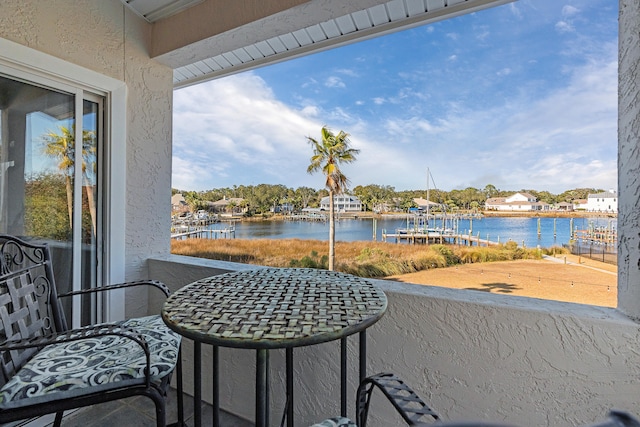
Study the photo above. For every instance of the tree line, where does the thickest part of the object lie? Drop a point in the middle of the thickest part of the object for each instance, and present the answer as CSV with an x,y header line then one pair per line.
x,y
264,198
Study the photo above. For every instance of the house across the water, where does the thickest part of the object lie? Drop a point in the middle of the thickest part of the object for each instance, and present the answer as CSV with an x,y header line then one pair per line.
x,y
519,202
342,203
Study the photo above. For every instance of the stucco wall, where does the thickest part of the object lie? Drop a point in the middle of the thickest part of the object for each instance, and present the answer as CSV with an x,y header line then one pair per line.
x,y
629,157
104,36
470,355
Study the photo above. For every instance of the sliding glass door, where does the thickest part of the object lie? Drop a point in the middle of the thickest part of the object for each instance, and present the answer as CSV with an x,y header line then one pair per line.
x,y
50,179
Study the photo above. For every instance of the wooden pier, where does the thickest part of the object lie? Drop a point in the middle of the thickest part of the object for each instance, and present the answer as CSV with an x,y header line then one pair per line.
x,y
224,233
204,232
597,235
314,217
436,236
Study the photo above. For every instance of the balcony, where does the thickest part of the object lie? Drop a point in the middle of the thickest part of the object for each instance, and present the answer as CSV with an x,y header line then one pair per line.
x,y
471,355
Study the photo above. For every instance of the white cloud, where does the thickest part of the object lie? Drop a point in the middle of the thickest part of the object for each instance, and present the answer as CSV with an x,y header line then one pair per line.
x,y
564,27
347,72
564,140
568,10
334,81
310,111
310,82
515,11
236,131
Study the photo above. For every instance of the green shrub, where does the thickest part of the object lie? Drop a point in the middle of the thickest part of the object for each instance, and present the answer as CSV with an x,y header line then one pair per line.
x,y
311,261
449,256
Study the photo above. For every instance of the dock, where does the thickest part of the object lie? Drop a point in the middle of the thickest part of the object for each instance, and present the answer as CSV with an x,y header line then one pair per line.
x,y
436,236
314,217
222,233
597,235
182,232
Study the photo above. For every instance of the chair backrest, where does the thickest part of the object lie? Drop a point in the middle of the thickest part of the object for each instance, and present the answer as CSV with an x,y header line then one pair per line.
x,y
29,305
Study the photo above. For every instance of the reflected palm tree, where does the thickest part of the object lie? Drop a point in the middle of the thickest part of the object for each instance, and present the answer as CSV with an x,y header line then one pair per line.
x,y
61,146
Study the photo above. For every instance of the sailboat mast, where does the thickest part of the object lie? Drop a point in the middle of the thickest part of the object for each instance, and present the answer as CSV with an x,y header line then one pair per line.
x,y
428,199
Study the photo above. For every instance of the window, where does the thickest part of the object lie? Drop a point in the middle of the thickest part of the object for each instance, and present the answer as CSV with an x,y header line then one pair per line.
x,y
49,185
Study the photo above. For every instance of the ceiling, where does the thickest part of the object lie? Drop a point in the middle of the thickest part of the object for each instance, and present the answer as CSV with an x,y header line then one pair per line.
x,y
154,10
380,19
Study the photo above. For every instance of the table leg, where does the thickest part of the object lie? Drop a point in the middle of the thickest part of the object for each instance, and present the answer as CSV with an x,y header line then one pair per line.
x,y
262,388
289,361
363,355
216,387
343,377
197,384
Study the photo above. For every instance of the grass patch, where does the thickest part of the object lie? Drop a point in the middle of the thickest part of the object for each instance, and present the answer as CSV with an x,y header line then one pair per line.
x,y
364,259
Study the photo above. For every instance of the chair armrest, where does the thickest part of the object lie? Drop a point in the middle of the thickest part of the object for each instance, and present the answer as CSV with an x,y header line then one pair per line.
x,y
408,404
618,419
84,333
153,283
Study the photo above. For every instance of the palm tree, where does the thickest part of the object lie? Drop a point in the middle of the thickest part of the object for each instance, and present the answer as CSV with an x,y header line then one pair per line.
x,y
62,147
328,155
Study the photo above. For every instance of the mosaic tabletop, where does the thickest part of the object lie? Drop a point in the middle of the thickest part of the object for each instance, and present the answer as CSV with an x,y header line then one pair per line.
x,y
274,308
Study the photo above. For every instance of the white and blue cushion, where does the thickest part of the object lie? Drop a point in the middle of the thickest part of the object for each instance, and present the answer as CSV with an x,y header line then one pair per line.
x,y
336,422
64,370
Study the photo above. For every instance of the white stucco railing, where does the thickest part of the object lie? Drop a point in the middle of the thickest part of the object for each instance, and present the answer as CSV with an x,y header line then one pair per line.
x,y
470,355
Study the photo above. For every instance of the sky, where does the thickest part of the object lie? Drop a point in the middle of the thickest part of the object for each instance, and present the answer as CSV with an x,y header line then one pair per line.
x,y
519,96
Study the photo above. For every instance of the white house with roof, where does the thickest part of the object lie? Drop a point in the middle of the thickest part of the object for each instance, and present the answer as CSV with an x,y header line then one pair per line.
x,y
607,201
518,202
425,204
342,203
580,204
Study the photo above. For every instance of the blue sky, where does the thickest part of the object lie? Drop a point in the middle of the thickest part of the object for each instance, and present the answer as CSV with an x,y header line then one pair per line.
x,y
520,96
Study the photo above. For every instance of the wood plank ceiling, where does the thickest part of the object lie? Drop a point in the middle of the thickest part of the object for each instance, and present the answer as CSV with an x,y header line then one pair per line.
x,y
377,20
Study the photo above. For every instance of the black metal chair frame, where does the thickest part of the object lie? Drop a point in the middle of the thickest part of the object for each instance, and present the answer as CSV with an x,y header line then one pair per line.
x,y
415,412
407,403
31,317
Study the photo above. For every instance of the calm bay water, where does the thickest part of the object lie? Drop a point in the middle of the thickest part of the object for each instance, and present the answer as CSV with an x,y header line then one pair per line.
x,y
493,228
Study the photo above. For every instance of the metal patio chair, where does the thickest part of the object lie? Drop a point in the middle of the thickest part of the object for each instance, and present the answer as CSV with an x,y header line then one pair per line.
x,y
407,403
415,412
45,367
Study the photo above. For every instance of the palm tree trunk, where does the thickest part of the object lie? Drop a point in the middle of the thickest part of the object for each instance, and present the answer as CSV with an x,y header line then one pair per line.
x,y
92,203
69,201
332,232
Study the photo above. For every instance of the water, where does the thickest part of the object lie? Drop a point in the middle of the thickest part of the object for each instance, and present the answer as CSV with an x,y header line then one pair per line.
x,y
519,229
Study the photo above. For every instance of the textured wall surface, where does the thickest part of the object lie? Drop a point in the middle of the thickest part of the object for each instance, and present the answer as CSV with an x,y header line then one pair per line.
x,y
104,36
471,355
629,158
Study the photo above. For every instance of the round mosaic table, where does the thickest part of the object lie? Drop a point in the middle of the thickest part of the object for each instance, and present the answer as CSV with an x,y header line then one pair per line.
x,y
271,308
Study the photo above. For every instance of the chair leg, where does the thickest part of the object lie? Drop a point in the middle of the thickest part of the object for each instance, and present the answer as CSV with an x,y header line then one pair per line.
x,y
58,420
179,389
160,402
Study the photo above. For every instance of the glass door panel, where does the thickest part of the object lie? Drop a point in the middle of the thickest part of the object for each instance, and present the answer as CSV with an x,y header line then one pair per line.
x,y
43,196
90,242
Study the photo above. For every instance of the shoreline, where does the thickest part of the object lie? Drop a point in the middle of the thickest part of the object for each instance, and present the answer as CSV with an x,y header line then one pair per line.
x,y
371,215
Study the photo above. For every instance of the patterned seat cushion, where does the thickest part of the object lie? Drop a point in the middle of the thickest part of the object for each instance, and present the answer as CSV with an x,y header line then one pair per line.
x,y
336,422
64,370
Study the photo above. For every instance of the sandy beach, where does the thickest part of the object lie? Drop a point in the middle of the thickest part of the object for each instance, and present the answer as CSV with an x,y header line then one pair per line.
x,y
563,278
